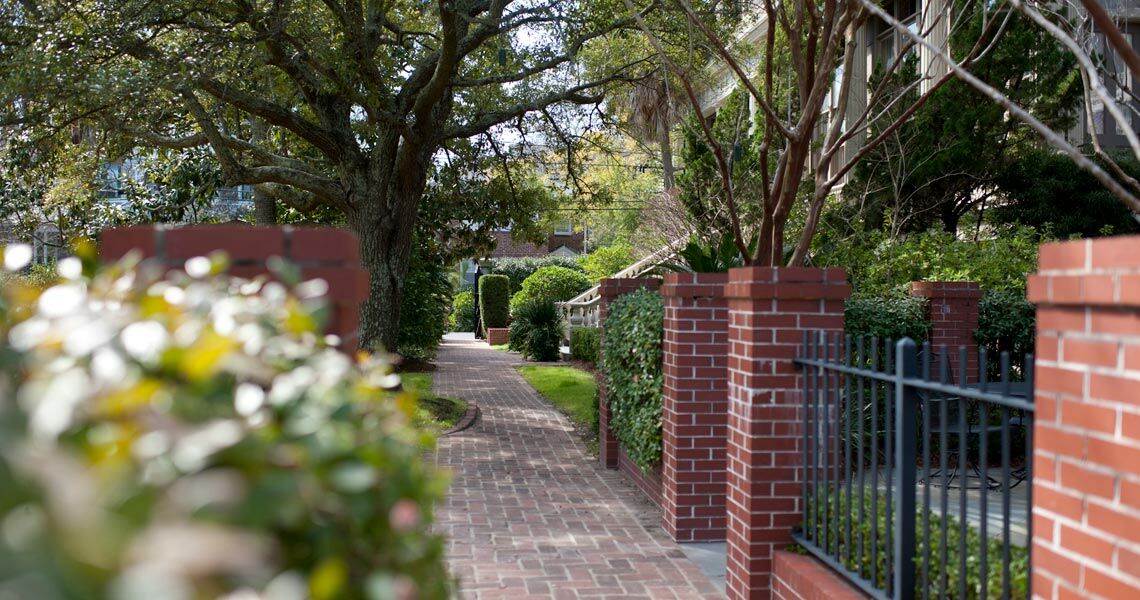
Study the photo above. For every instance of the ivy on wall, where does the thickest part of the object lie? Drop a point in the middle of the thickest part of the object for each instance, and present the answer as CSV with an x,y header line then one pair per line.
x,y
631,358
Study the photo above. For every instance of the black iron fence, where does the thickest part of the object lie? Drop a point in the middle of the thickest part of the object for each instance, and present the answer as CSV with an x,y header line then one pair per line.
x,y
917,479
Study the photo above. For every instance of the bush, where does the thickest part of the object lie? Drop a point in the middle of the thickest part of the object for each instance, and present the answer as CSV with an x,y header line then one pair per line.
x,y
605,262
494,306
463,311
631,358
887,317
518,269
424,311
196,437
536,330
584,344
556,284
1007,322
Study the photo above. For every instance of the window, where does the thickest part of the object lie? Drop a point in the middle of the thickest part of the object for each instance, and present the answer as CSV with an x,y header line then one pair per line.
x,y
564,228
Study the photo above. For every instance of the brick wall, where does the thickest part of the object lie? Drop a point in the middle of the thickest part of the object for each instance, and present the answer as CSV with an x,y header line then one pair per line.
x,y
497,336
608,291
1086,464
769,308
325,253
649,482
799,577
953,312
695,406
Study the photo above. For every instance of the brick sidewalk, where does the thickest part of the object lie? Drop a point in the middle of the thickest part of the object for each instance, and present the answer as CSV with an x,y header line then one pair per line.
x,y
530,514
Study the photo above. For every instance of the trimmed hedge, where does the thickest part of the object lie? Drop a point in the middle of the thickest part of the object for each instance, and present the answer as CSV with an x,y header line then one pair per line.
x,y
584,344
556,284
518,269
632,362
536,331
463,311
891,317
494,307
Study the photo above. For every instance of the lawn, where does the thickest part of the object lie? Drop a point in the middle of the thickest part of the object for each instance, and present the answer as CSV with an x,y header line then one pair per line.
x,y
432,412
572,391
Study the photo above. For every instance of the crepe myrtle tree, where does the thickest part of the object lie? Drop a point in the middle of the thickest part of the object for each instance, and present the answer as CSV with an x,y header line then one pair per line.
x,y
818,110
319,103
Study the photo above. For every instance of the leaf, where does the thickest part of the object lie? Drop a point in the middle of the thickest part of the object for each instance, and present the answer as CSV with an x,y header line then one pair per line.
x,y
328,579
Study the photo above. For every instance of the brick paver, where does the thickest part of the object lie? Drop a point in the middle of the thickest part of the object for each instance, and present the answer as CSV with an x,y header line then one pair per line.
x,y
530,514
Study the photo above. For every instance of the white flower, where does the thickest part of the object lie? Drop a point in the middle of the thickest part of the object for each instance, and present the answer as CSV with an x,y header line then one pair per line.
x,y
144,340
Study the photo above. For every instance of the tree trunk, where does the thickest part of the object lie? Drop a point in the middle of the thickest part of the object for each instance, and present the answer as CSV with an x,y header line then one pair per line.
x,y
264,207
667,178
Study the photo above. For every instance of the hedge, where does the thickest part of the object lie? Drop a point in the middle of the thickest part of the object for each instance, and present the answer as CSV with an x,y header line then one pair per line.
x,y
424,312
518,269
584,344
195,414
494,306
891,317
463,311
632,363
556,284
1007,322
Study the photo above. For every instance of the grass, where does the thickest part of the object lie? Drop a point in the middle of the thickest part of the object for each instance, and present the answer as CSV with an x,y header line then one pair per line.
x,y
432,412
572,391
503,347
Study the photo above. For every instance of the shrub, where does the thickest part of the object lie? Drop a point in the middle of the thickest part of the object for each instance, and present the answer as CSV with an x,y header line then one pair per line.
x,y
536,330
518,269
604,262
494,307
1006,323
196,437
463,311
556,284
584,344
424,310
891,317
631,358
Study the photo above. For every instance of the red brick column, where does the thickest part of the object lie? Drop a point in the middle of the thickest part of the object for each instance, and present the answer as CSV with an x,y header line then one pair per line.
x,y
953,311
608,291
325,253
769,308
1086,463
695,406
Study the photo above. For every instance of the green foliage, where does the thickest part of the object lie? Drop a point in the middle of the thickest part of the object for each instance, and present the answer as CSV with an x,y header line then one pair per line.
x,y
696,257
463,311
572,391
536,330
194,436
584,344
494,301
1007,322
425,309
631,359
828,506
556,284
434,413
518,269
604,262
883,266
887,317
1048,191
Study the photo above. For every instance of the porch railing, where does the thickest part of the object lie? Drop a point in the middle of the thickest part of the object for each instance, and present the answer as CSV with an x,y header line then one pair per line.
x,y
918,479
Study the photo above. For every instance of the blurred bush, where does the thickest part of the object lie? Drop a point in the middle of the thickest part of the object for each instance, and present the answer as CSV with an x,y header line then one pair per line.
x,y
194,436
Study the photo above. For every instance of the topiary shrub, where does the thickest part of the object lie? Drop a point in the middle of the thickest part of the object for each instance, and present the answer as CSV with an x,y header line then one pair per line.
x,y
494,301
536,330
556,284
195,436
518,269
893,317
584,344
424,310
631,359
463,311
1007,322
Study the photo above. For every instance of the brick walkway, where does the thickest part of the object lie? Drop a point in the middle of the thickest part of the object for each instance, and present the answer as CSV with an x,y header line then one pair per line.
x,y
530,514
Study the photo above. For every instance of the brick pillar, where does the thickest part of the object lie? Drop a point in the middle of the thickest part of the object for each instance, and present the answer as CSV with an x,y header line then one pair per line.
x,y
324,253
695,406
1086,430
768,310
608,291
953,311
